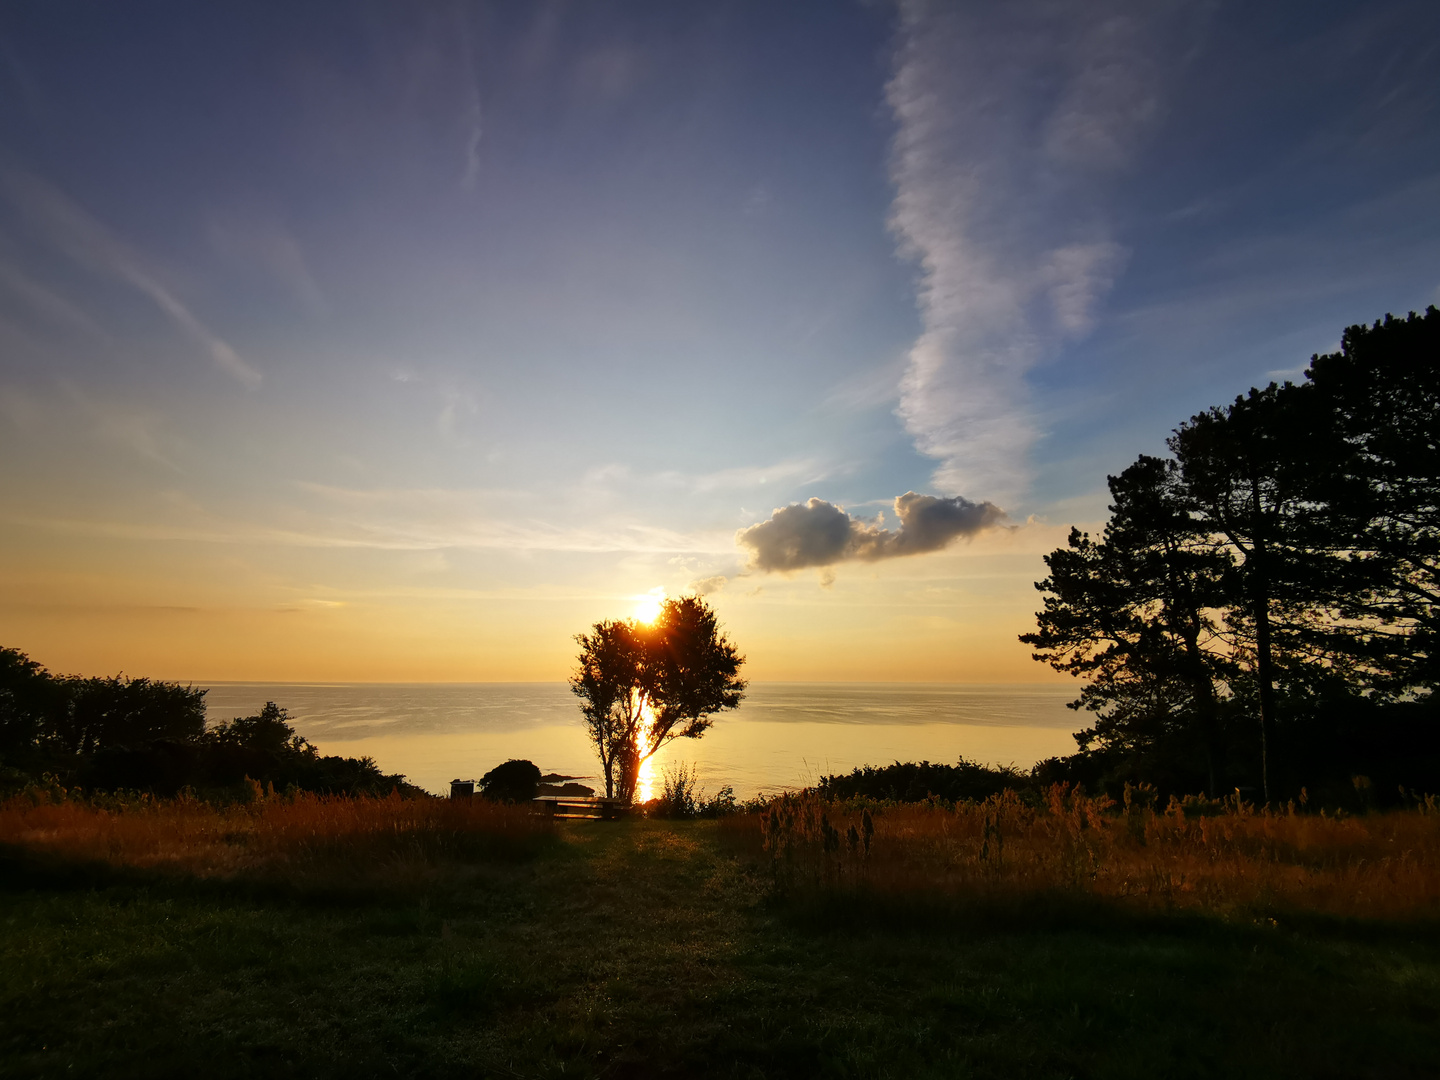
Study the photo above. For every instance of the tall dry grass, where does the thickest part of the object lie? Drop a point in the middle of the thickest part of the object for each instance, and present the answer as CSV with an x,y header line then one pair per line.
x,y
1224,857
304,839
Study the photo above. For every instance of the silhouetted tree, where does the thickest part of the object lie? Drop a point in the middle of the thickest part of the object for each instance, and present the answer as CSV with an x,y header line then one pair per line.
x,y
266,732
1381,396
30,699
695,671
59,724
1328,494
102,713
1285,564
1249,469
1135,613
150,735
610,683
641,685
265,747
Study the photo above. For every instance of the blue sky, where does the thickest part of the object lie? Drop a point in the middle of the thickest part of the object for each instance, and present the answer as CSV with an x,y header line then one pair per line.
x,y
403,341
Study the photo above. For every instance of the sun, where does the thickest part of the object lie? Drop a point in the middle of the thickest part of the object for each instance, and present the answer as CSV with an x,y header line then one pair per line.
x,y
647,605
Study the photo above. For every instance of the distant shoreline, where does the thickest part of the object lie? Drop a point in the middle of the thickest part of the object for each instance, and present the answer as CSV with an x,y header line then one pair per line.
x,y
1067,687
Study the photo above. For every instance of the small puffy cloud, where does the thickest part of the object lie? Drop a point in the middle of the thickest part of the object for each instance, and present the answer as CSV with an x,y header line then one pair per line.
x,y
929,522
706,586
818,533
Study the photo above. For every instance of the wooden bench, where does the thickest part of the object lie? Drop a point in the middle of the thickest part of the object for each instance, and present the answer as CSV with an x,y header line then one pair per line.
x,y
595,808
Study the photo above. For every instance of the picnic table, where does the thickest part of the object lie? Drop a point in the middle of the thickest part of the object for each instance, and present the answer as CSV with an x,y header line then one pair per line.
x,y
594,807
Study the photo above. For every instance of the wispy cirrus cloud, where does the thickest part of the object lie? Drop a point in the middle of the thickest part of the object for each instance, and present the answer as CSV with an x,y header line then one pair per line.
x,y
474,118
612,478
43,301
746,477
517,519
475,530
85,241
132,428
1012,121
269,245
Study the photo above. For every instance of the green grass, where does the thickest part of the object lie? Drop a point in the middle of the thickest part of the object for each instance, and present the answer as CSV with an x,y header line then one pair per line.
x,y
642,948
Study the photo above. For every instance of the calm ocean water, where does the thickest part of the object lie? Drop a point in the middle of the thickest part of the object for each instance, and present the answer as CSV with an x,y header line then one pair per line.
x,y
784,735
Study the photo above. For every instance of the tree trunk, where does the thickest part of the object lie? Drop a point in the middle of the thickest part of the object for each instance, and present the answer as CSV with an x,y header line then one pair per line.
x,y
1206,706
1257,570
629,773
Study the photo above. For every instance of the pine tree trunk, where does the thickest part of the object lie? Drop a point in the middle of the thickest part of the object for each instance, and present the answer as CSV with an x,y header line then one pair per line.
x,y
1257,571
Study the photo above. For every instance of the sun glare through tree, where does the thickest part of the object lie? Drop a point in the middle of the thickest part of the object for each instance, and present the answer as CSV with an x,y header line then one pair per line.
x,y
647,605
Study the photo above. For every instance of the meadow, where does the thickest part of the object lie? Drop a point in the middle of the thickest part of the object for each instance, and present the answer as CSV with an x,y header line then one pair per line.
x,y
1218,857
1053,937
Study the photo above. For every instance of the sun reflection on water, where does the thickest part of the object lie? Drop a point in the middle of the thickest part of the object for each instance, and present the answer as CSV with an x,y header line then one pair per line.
x,y
646,784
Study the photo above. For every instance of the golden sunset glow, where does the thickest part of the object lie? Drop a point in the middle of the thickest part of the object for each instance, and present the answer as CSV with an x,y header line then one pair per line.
x,y
297,420
647,605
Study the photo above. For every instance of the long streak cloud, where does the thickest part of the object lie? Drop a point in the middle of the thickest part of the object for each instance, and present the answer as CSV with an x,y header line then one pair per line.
x,y
1012,121
90,244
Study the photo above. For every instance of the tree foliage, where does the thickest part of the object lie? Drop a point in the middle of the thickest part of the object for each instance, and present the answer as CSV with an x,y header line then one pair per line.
x,y
643,684
1135,613
151,735
67,715
1381,392
1280,568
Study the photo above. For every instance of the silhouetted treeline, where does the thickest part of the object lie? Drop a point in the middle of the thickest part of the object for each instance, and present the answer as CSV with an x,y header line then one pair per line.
x,y
1262,608
145,735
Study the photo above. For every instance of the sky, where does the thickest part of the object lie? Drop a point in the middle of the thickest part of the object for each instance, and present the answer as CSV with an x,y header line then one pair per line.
x,y
402,342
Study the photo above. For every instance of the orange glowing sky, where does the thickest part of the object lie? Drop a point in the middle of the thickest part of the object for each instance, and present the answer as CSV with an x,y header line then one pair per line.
x,y
404,344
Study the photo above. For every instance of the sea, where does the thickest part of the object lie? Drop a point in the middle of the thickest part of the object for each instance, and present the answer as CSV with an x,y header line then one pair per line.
x,y
784,736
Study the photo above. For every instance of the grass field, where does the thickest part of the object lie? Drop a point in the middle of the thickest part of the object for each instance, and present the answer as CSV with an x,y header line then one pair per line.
x,y
427,939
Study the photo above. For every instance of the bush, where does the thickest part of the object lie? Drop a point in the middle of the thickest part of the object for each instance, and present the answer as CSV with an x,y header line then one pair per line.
x,y
910,782
722,805
515,781
680,794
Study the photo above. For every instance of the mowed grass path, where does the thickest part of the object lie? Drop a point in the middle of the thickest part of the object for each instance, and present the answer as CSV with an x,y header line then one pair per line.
x,y
642,948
